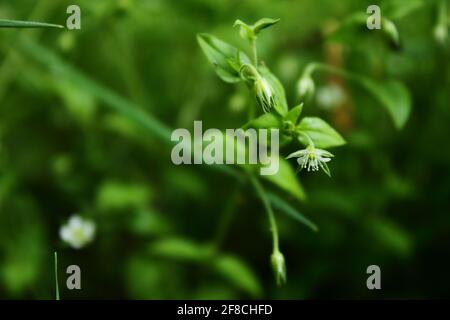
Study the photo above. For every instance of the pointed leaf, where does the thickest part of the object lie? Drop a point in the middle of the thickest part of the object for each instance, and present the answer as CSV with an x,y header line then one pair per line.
x,y
265,121
238,273
394,96
294,114
287,180
27,24
263,24
320,132
225,58
287,209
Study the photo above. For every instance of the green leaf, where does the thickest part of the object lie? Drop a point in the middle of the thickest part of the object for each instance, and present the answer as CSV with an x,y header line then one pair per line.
x,y
320,132
391,31
225,58
27,24
355,26
394,96
281,105
181,249
294,114
397,9
287,180
263,24
391,237
114,195
238,273
287,209
265,121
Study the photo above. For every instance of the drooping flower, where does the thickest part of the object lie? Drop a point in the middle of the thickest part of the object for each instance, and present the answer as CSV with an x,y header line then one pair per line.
x,y
264,94
77,232
305,86
312,159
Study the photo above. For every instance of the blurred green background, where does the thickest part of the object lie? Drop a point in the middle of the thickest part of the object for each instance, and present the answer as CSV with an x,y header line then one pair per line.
x,y
69,144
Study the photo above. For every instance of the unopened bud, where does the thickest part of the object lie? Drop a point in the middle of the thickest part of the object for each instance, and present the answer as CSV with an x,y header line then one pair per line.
x,y
305,87
264,94
279,267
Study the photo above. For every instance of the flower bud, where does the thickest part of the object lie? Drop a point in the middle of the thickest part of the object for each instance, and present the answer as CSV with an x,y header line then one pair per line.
x,y
306,87
245,31
441,33
279,267
264,94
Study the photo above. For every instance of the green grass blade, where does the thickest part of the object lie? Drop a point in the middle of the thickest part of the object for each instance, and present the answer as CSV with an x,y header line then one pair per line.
x,y
56,276
286,208
103,94
27,24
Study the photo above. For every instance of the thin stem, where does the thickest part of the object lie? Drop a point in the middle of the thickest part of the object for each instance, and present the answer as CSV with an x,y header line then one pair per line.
x,y
310,142
325,67
265,200
27,24
255,52
56,276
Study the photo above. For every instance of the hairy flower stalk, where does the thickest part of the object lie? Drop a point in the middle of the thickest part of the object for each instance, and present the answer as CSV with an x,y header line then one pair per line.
x,y
312,159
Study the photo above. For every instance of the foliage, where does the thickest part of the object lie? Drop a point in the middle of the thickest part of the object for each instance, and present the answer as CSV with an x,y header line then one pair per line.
x,y
85,124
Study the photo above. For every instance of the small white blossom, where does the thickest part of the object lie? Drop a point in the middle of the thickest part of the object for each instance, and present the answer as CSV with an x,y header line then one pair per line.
x,y
330,97
305,87
312,159
77,232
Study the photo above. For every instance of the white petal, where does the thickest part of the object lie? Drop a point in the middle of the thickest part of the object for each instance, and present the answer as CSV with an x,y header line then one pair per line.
x,y
75,221
65,233
297,154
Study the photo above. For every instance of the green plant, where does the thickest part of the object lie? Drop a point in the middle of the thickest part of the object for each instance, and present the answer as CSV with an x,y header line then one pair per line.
x,y
233,65
27,24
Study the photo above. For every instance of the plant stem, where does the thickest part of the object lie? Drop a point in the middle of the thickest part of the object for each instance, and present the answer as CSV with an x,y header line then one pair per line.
x,y
56,276
340,72
265,200
255,53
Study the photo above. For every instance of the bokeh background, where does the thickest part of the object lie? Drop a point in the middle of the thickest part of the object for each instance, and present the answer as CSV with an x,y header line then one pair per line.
x,y
84,121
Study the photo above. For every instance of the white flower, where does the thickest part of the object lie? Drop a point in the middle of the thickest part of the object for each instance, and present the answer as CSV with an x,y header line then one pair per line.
x,y
77,232
329,97
441,33
312,159
305,87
